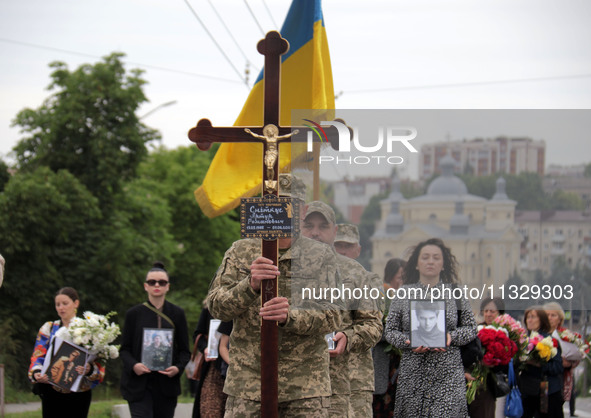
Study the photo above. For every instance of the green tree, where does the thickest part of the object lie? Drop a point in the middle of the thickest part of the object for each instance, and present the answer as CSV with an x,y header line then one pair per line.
x,y
4,174
54,235
410,189
45,218
483,186
200,242
561,200
88,126
75,213
587,172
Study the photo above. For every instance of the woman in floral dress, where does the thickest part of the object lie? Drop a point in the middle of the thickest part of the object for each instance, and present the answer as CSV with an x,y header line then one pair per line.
x,y
431,382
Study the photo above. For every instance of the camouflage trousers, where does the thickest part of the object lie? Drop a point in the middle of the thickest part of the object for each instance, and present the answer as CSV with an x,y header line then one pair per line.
x,y
361,401
299,408
339,406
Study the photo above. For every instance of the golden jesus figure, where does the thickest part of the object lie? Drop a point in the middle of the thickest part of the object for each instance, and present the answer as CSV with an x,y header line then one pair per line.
x,y
270,132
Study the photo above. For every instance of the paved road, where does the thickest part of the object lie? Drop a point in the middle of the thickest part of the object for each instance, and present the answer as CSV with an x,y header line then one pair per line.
x,y
184,410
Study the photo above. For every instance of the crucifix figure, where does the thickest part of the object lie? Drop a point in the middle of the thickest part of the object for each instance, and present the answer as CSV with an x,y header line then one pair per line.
x,y
271,153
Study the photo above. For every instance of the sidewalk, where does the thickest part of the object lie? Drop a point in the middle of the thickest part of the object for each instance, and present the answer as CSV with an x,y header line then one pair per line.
x,y
15,408
583,408
183,410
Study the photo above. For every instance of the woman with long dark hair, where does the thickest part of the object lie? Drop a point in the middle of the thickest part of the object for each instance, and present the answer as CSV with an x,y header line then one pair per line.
x,y
431,380
56,401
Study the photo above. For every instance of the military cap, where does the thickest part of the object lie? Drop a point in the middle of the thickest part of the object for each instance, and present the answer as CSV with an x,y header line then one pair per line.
x,y
347,233
323,209
291,186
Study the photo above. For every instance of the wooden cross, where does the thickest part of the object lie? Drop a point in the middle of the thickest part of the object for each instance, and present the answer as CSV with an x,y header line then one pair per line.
x,y
270,135
272,47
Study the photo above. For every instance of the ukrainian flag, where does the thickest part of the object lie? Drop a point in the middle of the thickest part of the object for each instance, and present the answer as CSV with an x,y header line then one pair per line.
x,y
306,83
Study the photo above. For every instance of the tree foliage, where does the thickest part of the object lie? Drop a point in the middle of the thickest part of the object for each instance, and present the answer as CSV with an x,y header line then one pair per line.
x,y
55,235
526,189
88,126
45,219
200,242
75,213
4,174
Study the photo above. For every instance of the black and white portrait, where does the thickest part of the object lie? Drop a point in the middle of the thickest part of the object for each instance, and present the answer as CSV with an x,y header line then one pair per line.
x,y
427,323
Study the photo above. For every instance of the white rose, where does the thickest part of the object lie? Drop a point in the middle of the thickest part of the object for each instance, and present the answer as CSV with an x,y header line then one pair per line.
x,y
113,352
64,334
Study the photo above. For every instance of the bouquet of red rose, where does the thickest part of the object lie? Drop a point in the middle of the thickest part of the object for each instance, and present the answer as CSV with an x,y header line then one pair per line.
x,y
499,349
516,333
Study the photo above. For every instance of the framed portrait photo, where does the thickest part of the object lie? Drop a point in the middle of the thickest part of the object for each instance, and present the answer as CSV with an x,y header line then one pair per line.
x,y
213,339
61,364
157,348
427,324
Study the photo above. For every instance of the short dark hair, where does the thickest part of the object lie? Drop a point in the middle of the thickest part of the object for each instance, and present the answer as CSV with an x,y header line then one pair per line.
x,y
447,275
499,304
426,306
69,292
392,267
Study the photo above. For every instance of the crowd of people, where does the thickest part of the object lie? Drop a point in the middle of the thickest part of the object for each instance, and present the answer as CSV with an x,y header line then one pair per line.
x,y
390,358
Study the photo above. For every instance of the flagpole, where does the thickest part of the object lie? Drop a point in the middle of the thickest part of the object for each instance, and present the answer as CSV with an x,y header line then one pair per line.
x,y
316,171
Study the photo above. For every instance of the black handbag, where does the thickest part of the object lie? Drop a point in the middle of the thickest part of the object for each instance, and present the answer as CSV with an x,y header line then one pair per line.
x,y
500,384
472,351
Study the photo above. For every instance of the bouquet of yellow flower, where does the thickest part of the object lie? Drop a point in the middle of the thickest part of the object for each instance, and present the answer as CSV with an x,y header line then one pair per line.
x,y
540,348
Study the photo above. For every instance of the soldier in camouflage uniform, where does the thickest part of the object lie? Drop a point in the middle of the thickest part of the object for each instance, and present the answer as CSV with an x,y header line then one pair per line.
x,y
303,381
347,241
361,372
351,365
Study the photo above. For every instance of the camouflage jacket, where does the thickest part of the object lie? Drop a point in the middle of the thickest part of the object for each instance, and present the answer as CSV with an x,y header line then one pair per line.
x,y
362,324
303,352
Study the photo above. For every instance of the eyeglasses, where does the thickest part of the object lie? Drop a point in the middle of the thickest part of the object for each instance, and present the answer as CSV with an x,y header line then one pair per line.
x,y
152,282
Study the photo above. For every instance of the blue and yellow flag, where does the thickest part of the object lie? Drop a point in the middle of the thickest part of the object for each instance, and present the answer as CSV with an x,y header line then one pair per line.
x,y
306,83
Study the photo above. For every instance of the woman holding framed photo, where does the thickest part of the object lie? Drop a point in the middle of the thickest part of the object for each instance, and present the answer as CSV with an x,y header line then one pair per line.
x,y
153,391
431,380
55,400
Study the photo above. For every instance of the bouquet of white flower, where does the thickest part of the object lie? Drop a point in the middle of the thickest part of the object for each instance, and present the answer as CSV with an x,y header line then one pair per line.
x,y
93,332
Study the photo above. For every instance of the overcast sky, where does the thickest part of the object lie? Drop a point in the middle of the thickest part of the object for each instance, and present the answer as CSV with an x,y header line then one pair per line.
x,y
387,54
